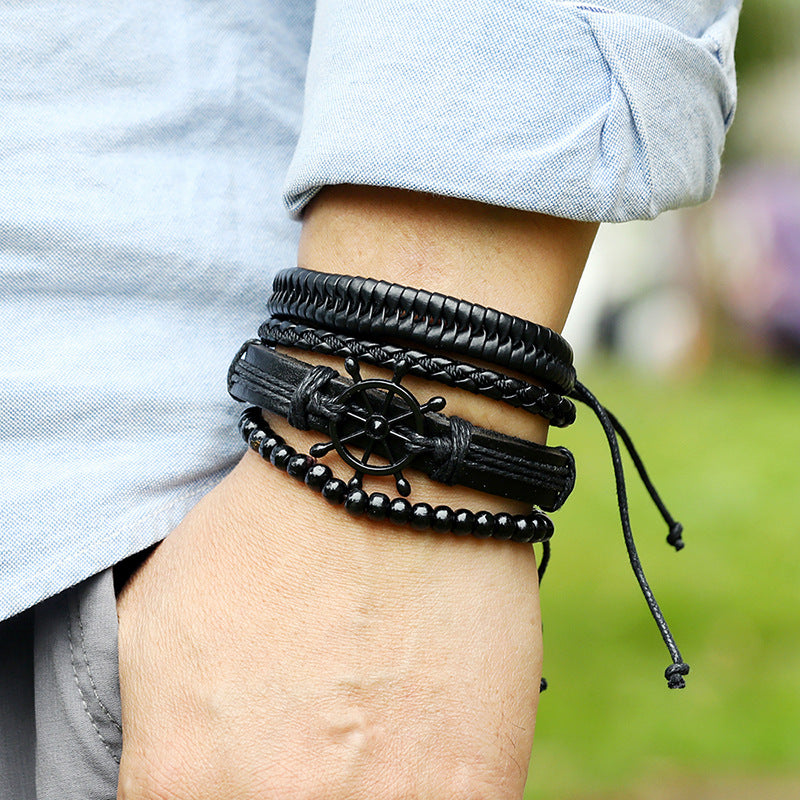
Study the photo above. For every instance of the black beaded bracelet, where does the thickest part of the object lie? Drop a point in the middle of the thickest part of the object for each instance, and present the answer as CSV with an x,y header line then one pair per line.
x,y
558,410
529,529
362,306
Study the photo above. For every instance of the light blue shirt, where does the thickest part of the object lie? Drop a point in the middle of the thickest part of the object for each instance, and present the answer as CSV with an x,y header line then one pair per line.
x,y
148,152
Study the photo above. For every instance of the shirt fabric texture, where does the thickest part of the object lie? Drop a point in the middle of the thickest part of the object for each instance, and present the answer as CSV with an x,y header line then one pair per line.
x,y
149,153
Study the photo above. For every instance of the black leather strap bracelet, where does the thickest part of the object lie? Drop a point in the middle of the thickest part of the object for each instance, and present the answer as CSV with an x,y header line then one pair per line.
x,y
364,306
385,418
558,410
529,528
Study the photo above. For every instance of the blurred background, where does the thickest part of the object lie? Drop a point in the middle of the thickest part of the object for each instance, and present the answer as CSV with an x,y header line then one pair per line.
x,y
688,328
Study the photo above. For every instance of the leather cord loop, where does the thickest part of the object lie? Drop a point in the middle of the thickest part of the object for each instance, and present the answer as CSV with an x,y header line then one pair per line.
x,y
311,384
453,450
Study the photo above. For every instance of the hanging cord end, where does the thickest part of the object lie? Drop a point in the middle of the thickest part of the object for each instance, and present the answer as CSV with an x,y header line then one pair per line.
x,y
674,674
676,671
675,536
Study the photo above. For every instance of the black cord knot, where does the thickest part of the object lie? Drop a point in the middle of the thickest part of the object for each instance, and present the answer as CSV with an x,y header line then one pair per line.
x,y
674,536
306,397
674,674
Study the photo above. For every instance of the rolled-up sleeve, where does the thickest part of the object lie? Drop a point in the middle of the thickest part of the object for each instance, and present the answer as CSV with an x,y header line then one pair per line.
x,y
590,112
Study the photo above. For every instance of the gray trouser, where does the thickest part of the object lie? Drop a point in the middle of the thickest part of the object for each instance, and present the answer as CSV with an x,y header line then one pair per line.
x,y
60,732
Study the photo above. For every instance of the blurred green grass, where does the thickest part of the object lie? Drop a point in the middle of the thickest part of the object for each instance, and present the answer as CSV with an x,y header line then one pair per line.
x,y
723,448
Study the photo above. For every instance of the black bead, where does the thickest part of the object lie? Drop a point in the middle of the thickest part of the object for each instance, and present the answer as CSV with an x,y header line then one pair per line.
x,y
356,502
463,522
280,455
503,526
484,525
299,465
246,427
421,516
545,527
523,529
334,490
250,413
268,445
442,519
317,476
256,437
536,527
378,505
400,511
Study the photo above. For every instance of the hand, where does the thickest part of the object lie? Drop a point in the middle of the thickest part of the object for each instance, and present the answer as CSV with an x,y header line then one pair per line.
x,y
273,647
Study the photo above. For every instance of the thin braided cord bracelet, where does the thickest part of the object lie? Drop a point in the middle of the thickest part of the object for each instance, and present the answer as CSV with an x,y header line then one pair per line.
x,y
534,399
365,306
357,305
260,438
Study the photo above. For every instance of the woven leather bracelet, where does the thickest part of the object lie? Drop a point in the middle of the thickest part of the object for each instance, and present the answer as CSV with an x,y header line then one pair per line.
x,y
364,306
447,449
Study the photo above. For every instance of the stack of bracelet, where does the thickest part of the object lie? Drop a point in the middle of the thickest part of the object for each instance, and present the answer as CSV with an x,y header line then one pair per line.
x,y
378,427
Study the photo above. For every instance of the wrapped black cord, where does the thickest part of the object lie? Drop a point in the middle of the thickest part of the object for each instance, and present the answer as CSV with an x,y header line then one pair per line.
x,y
676,671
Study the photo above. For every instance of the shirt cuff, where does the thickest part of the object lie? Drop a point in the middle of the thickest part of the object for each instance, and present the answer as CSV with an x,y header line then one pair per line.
x,y
568,109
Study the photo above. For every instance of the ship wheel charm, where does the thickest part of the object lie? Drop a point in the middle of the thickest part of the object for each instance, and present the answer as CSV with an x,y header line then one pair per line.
x,y
378,415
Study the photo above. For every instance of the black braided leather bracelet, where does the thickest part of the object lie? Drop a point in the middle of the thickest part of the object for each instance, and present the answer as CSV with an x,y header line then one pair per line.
x,y
530,397
529,529
364,306
383,417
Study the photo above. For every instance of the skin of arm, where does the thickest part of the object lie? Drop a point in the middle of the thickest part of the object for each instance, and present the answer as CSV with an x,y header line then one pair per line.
x,y
273,647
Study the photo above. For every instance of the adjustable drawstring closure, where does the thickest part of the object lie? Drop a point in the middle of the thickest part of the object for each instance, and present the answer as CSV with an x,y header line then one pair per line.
x,y
612,427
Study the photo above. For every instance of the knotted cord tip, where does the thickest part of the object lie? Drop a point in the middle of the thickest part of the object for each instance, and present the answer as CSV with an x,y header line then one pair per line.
x,y
674,674
674,536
